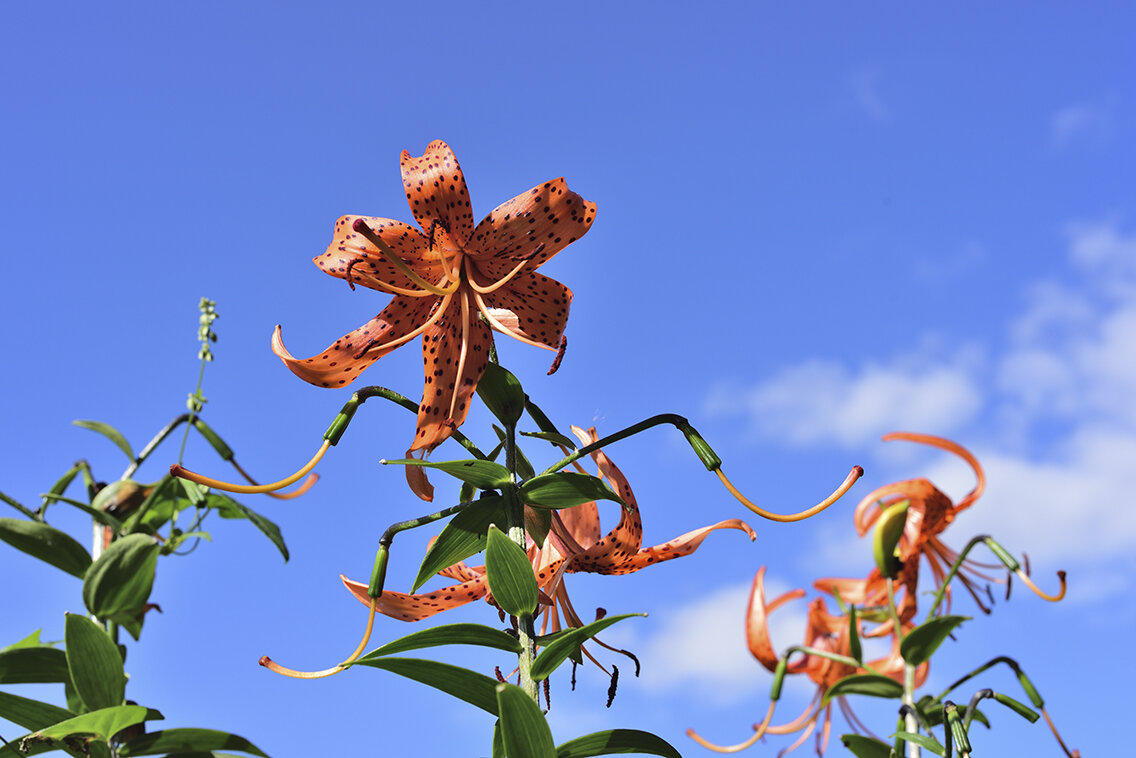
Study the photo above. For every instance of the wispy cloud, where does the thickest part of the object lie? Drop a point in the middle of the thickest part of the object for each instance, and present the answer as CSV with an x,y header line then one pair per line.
x,y
1057,428
865,91
1079,121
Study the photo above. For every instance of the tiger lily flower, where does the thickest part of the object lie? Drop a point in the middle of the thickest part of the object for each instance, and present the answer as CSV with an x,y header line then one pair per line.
x,y
823,631
930,512
573,545
446,277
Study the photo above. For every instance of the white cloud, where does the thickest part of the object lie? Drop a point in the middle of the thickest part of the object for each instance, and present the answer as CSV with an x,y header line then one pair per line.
x,y
823,401
867,95
1079,121
1057,434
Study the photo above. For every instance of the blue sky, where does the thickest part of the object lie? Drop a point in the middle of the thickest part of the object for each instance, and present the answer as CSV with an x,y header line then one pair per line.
x,y
815,225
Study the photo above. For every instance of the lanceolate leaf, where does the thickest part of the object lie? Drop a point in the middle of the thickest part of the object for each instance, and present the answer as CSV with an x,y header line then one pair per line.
x,y
617,741
462,537
46,543
930,743
102,724
230,508
922,641
186,741
865,747
118,584
94,662
510,575
565,489
470,686
554,437
523,728
31,714
33,664
449,634
873,685
568,642
109,432
502,394
484,475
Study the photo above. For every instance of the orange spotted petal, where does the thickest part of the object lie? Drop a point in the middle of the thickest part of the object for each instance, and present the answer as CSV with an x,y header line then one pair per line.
x,y
455,350
757,620
399,605
338,364
945,444
605,559
534,306
350,249
436,190
533,226
851,591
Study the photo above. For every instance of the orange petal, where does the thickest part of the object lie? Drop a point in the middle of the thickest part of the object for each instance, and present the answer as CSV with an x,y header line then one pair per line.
x,y
417,480
337,364
534,306
349,248
399,605
436,191
945,444
534,226
442,346
757,620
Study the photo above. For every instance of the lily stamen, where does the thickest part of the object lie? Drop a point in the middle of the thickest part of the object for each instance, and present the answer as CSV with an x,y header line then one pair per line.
x,y
307,484
496,324
380,284
500,282
853,475
441,311
464,349
272,665
758,733
392,257
1044,596
247,489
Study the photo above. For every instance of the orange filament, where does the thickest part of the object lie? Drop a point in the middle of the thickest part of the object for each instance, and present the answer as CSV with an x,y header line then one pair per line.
x,y
853,475
272,665
496,324
392,257
1061,742
497,284
247,489
438,313
387,287
464,349
758,733
1051,598
307,484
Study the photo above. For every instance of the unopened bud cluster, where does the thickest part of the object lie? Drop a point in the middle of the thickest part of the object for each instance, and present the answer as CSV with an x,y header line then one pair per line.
x,y
205,333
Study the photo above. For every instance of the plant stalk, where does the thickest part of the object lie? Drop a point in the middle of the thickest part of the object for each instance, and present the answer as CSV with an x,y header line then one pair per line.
x,y
515,514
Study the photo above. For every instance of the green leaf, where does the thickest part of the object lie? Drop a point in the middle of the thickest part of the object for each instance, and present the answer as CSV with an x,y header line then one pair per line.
x,y
470,686
537,523
227,507
31,714
553,437
18,506
32,640
525,469
616,741
1029,714
186,741
103,518
462,537
565,489
498,740
109,432
523,728
485,475
33,664
930,743
865,747
557,651
873,685
510,575
47,544
94,662
856,650
102,724
922,641
449,634
502,394
64,481
118,584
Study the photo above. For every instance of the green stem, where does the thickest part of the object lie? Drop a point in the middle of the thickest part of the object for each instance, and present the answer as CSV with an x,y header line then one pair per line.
x,y
364,393
152,444
909,721
674,419
830,656
515,519
192,412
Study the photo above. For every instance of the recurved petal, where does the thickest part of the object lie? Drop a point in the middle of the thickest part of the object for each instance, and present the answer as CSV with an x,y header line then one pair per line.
x,y
533,305
533,226
342,361
351,251
455,350
615,562
399,605
757,620
436,191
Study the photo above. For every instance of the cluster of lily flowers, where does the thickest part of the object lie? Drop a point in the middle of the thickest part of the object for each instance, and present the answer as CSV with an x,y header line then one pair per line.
x,y
928,512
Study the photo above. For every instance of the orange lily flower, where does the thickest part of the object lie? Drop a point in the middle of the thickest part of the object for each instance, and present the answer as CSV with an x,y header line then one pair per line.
x,y
442,277
572,545
929,514
823,631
